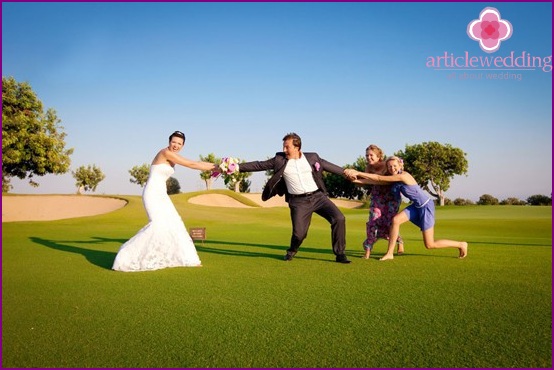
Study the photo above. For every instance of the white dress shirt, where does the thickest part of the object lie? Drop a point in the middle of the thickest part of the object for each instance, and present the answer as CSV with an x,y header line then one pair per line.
x,y
298,176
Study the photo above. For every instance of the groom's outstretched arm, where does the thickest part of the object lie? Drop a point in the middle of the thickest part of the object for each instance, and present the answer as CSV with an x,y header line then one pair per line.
x,y
256,166
337,170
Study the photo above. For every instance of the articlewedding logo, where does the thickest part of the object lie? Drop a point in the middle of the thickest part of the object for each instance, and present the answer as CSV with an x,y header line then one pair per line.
x,y
490,30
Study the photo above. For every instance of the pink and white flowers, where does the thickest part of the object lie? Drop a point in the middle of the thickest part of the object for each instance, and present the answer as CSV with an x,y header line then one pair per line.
x,y
228,166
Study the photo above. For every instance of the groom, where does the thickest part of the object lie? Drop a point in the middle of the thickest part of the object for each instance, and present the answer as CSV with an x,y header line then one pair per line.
x,y
299,176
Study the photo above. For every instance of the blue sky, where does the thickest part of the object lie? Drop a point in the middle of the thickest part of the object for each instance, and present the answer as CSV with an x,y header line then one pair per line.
x,y
236,77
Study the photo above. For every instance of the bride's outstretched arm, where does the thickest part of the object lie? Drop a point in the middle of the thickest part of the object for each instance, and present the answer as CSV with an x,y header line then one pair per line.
x,y
197,165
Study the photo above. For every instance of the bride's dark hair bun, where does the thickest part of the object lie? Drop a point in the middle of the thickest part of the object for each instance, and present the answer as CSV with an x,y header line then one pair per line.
x,y
177,134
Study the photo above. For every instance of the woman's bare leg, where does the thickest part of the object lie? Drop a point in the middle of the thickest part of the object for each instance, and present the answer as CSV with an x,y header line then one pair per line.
x,y
397,220
431,243
400,248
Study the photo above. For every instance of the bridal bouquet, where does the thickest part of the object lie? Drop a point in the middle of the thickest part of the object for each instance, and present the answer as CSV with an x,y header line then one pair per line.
x,y
227,166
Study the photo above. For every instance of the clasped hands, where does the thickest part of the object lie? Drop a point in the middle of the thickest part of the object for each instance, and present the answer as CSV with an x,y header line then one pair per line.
x,y
351,174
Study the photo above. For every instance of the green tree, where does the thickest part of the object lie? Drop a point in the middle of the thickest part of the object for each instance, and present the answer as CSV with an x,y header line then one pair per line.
x,y
244,186
139,174
88,178
487,200
433,165
340,187
539,200
33,142
513,202
207,175
173,186
462,202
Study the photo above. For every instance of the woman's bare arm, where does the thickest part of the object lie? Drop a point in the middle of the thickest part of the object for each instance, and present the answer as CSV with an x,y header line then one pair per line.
x,y
375,179
197,165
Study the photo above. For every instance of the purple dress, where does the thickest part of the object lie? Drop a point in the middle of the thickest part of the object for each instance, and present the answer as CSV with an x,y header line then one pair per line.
x,y
384,206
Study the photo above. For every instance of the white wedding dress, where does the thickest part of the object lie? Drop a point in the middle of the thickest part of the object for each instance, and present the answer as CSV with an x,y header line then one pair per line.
x,y
164,241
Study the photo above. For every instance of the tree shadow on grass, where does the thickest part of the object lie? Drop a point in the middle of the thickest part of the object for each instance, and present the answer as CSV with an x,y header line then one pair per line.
x,y
99,258
235,252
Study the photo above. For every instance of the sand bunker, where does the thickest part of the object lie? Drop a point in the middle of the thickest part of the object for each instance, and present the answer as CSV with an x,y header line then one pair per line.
x,y
55,207
217,200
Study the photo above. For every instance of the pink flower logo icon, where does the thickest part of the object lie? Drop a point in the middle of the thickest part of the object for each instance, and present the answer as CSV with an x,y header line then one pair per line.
x,y
490,30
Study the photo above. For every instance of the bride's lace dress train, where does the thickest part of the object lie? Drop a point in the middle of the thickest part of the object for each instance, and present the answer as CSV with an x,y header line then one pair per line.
x,y
164,241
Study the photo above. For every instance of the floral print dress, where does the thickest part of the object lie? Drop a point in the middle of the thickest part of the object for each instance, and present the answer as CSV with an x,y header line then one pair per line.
x,y
384,206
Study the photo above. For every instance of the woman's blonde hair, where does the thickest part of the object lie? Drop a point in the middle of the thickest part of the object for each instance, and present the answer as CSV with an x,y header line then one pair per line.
x,y
395,158
374,148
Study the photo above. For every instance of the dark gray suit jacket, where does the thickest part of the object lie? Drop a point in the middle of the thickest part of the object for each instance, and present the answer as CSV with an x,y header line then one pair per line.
x,y
276,184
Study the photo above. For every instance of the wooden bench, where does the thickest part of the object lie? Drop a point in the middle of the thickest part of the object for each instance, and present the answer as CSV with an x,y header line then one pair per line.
x,y
198,233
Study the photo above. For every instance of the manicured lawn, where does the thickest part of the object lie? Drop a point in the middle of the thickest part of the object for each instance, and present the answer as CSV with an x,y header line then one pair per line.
x,y
62,305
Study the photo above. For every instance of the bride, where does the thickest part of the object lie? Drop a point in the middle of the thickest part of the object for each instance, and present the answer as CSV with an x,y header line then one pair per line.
x,y
164,241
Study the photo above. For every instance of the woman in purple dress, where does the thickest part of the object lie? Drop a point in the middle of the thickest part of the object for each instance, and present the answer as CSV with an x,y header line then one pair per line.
x,y
384,204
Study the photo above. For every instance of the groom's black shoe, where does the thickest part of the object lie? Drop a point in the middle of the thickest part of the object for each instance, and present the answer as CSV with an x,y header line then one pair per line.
x,y
341,258
289,255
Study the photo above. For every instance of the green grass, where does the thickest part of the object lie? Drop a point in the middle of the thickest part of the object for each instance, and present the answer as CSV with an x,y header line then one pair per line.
x,y
63,306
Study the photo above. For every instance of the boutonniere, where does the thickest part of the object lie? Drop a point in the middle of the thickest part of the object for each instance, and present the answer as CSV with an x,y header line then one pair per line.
x,y
317,166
